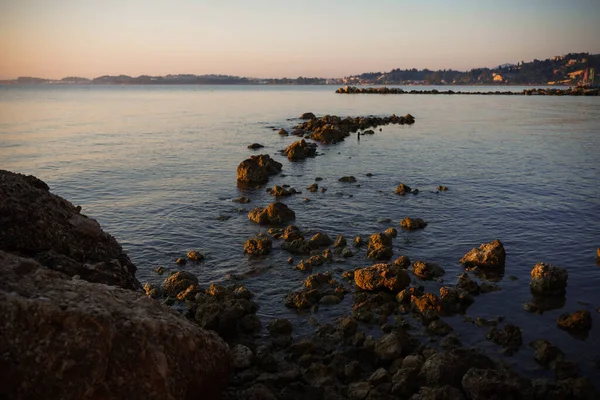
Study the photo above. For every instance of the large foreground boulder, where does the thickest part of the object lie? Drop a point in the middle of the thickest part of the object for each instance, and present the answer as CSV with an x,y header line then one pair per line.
x,y
488,255
65,338
36,223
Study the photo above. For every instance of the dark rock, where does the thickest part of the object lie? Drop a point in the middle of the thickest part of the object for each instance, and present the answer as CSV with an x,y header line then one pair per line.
x,y
255,146
283,132
241,357
381,277
412,224
347,179
88,339
490,384
578,321
402,262
509,338
358,242
273,214
488,255
389,347
402,189
488,288
307,115
313,188
439,327
36,223
241,199
258,246
296,246
548,280
426,270
280,327
179,282
195,255
546,354
292,232
467,284
320,240
391,232
442,188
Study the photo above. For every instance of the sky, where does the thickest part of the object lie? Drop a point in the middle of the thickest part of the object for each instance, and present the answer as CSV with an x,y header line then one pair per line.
x,y
285,38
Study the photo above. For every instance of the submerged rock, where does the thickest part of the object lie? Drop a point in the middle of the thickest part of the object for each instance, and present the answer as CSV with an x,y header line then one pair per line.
x,y
42,225
488,255
273,214
87,339
578,321
548,280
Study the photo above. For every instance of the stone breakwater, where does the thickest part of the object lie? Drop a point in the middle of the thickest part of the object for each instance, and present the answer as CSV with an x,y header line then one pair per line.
x,y
576,91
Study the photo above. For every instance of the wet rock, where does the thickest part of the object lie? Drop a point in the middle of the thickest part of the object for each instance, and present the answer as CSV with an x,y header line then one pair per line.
x,y
442,188
509,338
178,282
402,189
427,271
548,280
381,277
292,232
467,284
404,381
279,327
152,291
450,342
255,146
489,287
297,246
283,132
273,214
402,262
195,255
241,356
307,115
258,246
346,252
490,384
358,242
565,369
316,286
347,179
439,327
380,247
300,150
427,302
389,347
241,199
310,263
454,300
404,296
87,338
412,224
358,390
340,242
39,224
545,353
488,255
320,240
257,169
578,321
409,119
442,369
181,261
391,232
313,188
279,191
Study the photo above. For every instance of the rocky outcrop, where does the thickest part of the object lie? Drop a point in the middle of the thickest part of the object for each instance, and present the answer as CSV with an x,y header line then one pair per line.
x,y
380,247
258,246
381,277
36,223
257,169
488,255
300,150
548,280
273,214
89,341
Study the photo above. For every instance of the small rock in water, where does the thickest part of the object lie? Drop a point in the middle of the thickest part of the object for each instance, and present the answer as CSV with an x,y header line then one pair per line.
x,y
159,270
442,188
318,178
241,199
195,255
255,146
181,261
347,179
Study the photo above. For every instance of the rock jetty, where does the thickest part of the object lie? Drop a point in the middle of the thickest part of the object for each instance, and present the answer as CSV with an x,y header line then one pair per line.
x,y
573,91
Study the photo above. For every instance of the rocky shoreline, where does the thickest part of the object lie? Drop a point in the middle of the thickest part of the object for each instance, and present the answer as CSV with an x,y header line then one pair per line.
x,y
59,276
573,91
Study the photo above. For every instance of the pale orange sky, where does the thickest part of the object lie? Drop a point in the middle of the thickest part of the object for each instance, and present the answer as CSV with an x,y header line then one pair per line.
x,y
268,38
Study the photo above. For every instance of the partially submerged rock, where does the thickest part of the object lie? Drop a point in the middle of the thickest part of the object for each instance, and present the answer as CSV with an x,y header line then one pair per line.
x,y
300,150
380,247
258,246
257,169
578,321
347,179
509,338
381,277
402,189
179,282
548,280
427,270
42,225
307,115
273,214
488,255
255,146
88,340
412,223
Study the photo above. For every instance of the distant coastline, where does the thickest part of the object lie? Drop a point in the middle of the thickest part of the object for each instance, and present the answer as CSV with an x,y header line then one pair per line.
x,y
567,70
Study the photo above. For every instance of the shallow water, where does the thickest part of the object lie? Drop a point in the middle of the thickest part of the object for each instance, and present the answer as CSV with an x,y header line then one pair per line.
x,y
156,166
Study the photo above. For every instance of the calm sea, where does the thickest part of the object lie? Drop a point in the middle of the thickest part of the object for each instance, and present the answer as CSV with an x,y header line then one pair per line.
x,y
156,166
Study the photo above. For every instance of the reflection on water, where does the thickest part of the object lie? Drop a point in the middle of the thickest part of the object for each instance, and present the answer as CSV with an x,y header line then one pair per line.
x,y
157,167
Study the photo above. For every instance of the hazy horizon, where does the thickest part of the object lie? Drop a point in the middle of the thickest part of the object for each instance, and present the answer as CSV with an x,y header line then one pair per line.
x,y
58,38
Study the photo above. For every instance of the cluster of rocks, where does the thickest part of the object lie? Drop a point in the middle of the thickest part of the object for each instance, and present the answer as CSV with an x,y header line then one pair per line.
x,y
332,129
573,91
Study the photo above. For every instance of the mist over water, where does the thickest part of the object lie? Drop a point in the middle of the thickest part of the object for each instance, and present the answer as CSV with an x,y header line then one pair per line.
x,y
156,166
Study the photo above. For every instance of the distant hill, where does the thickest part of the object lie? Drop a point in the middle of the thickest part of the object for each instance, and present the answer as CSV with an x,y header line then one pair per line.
x,y
560,70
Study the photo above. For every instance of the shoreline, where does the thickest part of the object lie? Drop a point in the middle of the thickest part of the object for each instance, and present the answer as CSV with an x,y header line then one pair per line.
x,y
577,91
